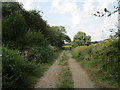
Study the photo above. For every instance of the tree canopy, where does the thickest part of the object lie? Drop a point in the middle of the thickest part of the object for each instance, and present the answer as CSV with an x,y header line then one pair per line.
x,y
82,39
25,27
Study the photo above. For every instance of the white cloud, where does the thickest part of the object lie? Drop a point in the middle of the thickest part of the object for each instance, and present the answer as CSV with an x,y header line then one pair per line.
x,y
67,7
71,7
103,4
27,4
104,25
55,3
110,22
76,20
82,15
88,6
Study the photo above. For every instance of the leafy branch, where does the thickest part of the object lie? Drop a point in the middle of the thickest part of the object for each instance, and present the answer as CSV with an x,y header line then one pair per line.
x,y
107,12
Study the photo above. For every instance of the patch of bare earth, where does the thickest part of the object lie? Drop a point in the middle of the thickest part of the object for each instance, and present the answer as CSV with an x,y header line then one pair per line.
x,y
50,77
79,76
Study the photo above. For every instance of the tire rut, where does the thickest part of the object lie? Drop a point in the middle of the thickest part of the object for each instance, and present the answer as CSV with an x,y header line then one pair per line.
x,y
79,76
50,77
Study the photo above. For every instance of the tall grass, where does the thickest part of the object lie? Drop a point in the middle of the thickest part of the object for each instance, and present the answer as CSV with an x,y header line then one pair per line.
x,y
102,61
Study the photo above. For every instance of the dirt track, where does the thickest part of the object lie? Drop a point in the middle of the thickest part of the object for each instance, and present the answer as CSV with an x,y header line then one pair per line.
x,y
79,76
50,77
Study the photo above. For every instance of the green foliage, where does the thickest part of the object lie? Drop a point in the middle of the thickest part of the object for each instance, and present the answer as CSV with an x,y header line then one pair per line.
x,y
26,33
17,73
0,50
102,60
107,12
67,38
81,39
56,36
34,39
10,8
34,21
22,23
53,48
40,54
14,30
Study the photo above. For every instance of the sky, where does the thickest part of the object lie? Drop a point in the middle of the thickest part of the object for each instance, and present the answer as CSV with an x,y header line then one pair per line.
x,y
76,15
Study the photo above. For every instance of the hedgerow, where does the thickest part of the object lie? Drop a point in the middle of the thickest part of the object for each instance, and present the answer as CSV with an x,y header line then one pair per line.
x,y
17,73
102,60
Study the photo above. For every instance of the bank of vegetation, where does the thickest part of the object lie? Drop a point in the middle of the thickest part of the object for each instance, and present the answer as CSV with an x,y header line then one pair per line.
x,y
29,44
101,60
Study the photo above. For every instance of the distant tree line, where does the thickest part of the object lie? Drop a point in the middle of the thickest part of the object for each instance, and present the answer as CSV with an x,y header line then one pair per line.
x,y
81,39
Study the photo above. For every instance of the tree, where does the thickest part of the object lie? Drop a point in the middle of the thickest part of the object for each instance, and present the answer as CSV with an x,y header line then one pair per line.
x,y
20,25
81,39
67,38
34,21
14,29
57,35
88,40
9,8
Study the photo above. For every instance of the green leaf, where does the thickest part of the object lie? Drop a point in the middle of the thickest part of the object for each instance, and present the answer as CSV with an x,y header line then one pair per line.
x,y
102,15
106,10
98,12
95,15
115,11
109,14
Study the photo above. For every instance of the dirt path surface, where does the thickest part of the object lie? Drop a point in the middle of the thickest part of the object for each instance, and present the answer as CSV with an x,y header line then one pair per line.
x,y
79,76
50,77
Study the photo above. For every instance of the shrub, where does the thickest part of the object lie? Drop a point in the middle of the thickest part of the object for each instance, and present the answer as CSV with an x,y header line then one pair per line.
x,y
40,54
53,48
14,31
35,39
17,73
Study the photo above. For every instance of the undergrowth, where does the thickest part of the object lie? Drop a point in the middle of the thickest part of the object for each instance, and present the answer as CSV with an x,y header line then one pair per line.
x,y
19,73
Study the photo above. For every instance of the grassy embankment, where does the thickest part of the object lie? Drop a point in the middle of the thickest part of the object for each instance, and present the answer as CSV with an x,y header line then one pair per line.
x,y
101,61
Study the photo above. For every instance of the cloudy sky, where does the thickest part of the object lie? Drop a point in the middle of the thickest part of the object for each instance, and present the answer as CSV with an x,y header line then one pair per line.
x,y
76,15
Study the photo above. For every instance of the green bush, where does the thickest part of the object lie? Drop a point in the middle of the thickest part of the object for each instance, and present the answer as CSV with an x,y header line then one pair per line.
x,y
32,36
34,39
40,54
17,73
14,30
